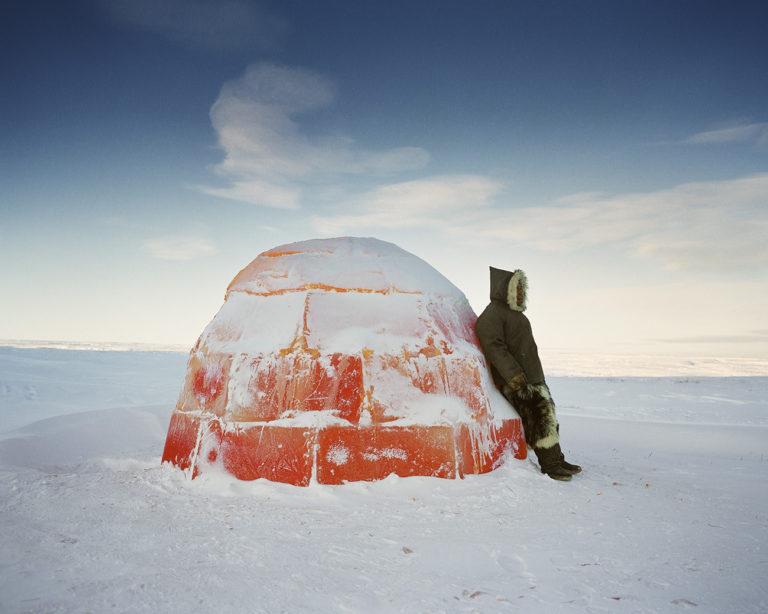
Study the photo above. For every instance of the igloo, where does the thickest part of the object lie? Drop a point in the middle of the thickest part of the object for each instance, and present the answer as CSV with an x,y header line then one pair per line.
x,y
336,360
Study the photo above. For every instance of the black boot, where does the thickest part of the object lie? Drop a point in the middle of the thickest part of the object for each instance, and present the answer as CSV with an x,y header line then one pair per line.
x,y
549,461
566,466
569,467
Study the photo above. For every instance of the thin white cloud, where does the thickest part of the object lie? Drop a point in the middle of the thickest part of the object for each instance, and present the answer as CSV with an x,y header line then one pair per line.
x,y
258,192
710,224
178,247
718,225
211,23
268,159
422,202
756,133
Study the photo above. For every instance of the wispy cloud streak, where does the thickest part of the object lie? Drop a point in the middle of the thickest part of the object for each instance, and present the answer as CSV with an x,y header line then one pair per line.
x,y
268,159
756,133
210,23
719,225
178,247
432,201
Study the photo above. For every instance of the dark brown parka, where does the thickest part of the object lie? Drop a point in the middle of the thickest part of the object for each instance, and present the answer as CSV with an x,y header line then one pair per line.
x,y
505,332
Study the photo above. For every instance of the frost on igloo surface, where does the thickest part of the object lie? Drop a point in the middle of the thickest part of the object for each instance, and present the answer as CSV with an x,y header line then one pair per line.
x,y
336,360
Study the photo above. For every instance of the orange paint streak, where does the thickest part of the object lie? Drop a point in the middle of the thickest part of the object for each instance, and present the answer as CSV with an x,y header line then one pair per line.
x,y
278,254
325,288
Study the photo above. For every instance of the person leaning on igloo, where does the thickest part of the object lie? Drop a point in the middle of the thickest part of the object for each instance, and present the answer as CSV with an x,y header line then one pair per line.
x,y
507,340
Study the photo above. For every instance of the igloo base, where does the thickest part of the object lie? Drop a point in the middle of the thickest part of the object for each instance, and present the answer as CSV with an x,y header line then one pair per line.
x,y
334,454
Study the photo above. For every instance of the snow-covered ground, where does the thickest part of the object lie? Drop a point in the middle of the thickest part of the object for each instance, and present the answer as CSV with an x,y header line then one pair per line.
x,y
670,514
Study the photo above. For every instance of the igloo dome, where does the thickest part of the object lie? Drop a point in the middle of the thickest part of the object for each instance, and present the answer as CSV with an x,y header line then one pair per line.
x,y
336,360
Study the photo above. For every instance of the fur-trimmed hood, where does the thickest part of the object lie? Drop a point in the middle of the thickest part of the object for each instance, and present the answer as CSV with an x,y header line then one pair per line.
x,y
510,287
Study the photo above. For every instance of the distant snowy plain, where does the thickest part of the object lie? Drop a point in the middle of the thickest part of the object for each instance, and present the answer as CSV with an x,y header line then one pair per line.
x,y
671,512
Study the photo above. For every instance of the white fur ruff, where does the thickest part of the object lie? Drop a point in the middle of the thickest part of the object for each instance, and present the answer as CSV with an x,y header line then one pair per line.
x,y
518,280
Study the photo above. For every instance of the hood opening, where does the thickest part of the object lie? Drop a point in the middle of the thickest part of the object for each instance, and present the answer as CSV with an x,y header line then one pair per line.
x,y
510,287
517,291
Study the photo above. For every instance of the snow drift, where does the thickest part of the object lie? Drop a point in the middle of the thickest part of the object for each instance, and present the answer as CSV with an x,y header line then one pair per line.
x,y
337,360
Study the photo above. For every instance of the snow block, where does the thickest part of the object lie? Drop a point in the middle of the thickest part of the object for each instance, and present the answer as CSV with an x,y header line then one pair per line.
x,y
481,450
338,360
373,452
300,382
205,388
181,441
277,453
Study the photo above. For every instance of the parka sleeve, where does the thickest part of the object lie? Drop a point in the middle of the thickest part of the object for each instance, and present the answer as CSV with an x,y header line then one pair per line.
x,y
490,332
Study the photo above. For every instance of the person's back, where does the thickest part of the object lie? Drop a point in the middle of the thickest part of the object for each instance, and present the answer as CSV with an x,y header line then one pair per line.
x,y
506,337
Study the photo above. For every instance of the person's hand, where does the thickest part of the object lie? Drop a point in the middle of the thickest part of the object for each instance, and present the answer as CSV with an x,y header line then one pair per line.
x,y
518,381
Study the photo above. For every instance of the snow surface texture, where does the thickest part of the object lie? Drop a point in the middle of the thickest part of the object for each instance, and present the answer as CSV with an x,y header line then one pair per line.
x,y
671,513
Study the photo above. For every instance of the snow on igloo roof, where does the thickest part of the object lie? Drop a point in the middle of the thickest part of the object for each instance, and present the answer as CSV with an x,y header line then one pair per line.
x,y
340,295
343,263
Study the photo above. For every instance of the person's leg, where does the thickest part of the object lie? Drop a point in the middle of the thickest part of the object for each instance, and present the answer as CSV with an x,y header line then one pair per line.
x,y
537,410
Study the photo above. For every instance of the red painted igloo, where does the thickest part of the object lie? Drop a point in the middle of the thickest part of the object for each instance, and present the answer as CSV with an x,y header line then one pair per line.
x,y
336,360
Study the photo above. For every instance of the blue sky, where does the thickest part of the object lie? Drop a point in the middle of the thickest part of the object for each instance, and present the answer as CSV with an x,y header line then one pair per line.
x,y
617,151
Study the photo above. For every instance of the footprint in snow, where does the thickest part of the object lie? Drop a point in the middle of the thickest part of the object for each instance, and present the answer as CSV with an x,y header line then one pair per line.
x,y
515,564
